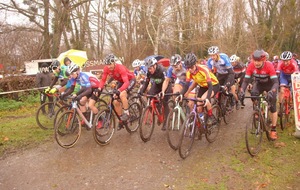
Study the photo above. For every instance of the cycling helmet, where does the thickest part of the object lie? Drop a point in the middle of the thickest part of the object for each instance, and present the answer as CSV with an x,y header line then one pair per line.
x,y
109,59
233,58
286,55
175,60
136,63
150,62
259,55
275,58
66,59
55,64
213,50
72,68
190,60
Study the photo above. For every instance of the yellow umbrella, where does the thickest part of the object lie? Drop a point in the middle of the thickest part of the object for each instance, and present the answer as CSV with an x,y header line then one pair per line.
x,y
78,57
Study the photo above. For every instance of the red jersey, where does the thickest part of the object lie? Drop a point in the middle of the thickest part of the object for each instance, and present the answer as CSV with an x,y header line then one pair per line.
x,y
120,74
287,68
263,74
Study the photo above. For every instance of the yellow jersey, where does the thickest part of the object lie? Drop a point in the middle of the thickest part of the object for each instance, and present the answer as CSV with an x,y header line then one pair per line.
x,y
201,76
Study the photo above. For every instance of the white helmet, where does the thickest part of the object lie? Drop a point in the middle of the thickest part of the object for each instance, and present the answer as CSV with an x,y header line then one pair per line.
x,y
233,58
136,63
286,55
213,50
72,68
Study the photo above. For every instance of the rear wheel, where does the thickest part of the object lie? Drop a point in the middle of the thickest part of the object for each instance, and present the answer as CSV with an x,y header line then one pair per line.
x,y
104,127
174,123
67,129
147,123
223,104
187,136
212,131
254,134
45,115
133,123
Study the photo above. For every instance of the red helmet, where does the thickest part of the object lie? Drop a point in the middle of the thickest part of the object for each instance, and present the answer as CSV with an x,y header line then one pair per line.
x,y
259,55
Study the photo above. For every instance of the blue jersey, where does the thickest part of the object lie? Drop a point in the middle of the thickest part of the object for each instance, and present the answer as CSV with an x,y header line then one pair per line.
x,y
142,71
86,79
221,66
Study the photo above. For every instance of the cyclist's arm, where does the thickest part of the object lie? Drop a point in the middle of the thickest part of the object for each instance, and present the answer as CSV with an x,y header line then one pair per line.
x,y
165,84
54,81
84,91
64,82
125,81
145,85
209,91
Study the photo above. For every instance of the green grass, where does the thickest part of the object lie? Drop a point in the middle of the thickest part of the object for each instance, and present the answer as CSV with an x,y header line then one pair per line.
x,y
18,128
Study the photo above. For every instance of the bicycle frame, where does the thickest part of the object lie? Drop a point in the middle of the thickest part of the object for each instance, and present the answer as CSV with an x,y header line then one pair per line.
x,y
77,110
153,101
180,115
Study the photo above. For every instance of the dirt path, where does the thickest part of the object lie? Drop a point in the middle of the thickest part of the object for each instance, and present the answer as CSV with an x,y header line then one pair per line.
x,y
127,163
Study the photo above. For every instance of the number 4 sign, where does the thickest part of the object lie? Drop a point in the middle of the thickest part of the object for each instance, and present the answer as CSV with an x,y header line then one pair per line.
x,y
296,95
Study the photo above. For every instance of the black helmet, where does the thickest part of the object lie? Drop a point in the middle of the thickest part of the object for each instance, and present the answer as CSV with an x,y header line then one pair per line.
x,y
55,64
109,59
190,60
259,55
175,60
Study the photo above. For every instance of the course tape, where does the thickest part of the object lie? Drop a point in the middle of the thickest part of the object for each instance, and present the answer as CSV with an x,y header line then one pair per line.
x,y
25,90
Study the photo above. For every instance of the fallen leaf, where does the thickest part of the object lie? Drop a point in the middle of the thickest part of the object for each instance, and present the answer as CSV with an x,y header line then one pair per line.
x,y
5,139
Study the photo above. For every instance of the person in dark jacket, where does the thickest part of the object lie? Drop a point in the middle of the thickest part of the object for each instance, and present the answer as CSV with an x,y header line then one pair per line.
x,y
43,79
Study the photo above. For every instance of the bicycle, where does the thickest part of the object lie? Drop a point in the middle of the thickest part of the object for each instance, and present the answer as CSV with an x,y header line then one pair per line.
x,y
193,125
175,121
106,124
257,124
285,107
45,114
224,100
153,109
67,128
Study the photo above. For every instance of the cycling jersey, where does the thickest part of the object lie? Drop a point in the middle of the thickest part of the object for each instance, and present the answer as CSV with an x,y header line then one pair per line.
x,y
202,76
239,70
179,76
263,74
86,79
221,66
120,73
289,68
62,73
142,71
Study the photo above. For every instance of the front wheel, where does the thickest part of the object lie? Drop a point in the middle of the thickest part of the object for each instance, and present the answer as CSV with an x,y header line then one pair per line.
x,y
284,115
212,131
187,136
253,134
45,115
104,127
147,123
67,129
133,123
174,123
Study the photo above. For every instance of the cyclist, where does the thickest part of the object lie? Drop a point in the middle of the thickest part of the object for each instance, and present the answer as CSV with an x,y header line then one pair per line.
x,y
140,70
286,67
295,57
265,79
219,62
126,81
239,70
156,74
275,61
203,77
59,74
88,84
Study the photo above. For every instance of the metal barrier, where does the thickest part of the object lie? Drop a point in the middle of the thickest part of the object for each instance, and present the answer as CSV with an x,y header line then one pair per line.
x,y
296,94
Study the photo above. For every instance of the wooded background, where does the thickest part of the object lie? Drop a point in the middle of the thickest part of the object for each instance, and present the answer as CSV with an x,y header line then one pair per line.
x,y
139,28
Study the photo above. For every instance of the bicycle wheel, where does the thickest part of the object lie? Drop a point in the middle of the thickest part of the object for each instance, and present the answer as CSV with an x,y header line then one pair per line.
x,y
59,112
187,136
45,115
147,123
254,134
223,103
133,123
101,104
139,100
284,115
212,131
67,129
174,123
104,127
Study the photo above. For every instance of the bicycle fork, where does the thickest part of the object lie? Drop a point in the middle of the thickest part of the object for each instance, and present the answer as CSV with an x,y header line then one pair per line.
x,y
179,116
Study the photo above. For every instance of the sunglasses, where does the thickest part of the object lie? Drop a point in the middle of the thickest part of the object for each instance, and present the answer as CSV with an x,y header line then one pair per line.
x,y
54,68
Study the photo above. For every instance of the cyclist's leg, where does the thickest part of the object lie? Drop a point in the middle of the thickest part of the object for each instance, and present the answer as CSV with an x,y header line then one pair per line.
x,y
166,106
124,99
283,83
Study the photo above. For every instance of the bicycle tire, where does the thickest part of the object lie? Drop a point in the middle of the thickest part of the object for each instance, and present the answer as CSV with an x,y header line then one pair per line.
x,y
104,133
45,119
284,116
254,133
187,136
137,99
173,128
223,106
147,123
133,122
67,129
100,104
212,132
61,110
